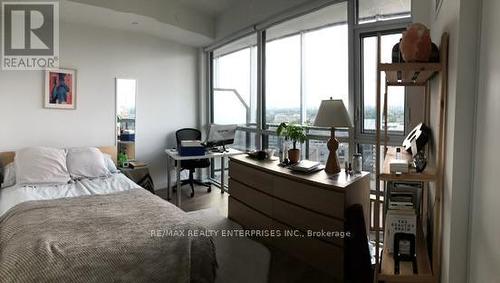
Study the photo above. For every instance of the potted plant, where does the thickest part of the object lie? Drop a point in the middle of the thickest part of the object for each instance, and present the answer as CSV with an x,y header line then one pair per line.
x,y
295,133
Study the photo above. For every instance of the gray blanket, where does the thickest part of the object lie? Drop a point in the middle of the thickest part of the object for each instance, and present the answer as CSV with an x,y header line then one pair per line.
x,y
130,236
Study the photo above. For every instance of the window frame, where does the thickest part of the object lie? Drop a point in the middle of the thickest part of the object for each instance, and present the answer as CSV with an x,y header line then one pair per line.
x,y
303,106
355,137
362,137
361,31
212,69
394,136
382,22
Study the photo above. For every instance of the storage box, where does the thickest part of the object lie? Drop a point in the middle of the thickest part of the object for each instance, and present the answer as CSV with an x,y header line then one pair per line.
x,y
191,150
127,137
398,165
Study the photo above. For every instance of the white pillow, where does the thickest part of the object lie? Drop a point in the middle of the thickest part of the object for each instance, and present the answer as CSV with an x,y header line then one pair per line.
x,y
41,165
9,175
110,164
86,162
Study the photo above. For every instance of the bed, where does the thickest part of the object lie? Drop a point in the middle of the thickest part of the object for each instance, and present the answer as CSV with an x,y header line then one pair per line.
x,y
98,229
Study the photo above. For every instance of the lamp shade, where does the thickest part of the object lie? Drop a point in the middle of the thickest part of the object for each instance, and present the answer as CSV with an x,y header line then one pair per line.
x,y
332,113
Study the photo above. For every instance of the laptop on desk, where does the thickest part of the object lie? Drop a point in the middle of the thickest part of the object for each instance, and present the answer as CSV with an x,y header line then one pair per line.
x,y
219,136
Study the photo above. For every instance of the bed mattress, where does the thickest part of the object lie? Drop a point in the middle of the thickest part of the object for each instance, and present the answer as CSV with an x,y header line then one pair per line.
x,y
103,238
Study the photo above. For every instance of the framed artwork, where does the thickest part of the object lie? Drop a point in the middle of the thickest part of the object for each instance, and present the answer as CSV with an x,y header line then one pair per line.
x,y
60,91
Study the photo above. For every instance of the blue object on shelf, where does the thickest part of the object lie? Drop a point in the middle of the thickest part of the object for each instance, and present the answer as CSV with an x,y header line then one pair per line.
x,y
191,150
127,137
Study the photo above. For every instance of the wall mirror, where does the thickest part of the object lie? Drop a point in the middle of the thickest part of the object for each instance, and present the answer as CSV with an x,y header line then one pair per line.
x,y
126,92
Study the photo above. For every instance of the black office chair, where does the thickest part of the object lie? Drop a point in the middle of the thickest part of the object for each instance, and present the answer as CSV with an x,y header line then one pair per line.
x,y
191,165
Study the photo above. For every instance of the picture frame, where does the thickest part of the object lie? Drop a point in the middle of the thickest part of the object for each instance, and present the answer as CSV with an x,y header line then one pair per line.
x,y
60,89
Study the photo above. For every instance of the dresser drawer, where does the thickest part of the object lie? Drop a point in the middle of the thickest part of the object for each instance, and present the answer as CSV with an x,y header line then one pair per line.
x,y
323,256
304,220
249,218
324,201
251,177
251,197
295,216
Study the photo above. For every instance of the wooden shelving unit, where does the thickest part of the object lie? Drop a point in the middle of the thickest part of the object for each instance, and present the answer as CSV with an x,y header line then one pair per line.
x,y
409,74
429,174
413,74
406,270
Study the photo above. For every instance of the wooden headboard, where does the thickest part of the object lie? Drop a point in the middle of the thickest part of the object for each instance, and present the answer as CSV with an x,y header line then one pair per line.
x,y
8,157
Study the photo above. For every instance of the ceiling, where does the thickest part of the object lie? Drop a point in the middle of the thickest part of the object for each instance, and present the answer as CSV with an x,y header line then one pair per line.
x,y
78,13
190,22
210,7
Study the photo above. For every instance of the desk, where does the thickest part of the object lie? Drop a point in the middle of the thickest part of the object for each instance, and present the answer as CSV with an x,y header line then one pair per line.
x,y
265,196
172,154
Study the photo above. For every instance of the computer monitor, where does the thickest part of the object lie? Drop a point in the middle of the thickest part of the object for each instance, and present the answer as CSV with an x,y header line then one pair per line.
x,y
220,135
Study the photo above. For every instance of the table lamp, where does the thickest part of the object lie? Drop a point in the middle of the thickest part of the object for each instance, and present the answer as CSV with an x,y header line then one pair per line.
x,y
332,113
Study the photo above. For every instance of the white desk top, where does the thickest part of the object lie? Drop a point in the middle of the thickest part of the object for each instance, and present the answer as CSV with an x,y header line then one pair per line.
x,y
172,153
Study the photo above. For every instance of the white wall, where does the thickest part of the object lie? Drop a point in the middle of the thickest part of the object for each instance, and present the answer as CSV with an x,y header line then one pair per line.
x,y
460,20
420,11
484,259
167,94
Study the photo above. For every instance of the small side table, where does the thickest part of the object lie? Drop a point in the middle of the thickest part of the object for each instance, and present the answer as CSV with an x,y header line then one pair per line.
x,y
140,176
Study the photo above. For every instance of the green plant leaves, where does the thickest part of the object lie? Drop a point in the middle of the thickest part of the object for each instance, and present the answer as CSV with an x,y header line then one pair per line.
x,y
295,133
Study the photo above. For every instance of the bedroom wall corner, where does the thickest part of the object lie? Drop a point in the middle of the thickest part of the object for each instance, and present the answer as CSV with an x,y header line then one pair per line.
x,y
166,100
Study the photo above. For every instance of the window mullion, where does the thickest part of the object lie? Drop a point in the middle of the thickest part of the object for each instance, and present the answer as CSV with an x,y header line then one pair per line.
x,y
352,51
302,83
261,87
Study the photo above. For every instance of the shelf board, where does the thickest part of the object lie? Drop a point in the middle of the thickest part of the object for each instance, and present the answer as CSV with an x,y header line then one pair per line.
x,y
126,142
429,174
424,272
409,74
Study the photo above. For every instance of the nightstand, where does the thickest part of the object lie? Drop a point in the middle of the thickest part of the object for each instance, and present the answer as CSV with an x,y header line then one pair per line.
x,y
141,176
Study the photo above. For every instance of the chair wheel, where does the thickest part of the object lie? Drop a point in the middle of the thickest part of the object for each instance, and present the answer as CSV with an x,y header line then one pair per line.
x,y
209,189
192,194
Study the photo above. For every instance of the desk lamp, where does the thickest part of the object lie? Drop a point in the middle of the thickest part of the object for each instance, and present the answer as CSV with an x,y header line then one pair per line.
x,y
332,114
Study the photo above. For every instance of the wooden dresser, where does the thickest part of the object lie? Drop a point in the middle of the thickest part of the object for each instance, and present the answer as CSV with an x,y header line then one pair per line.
x,y
265,196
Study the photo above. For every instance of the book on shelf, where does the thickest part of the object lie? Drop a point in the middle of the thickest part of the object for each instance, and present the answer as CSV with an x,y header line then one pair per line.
x,y
306,166
136,164
402,195
399,221
395,205
191,143
402,208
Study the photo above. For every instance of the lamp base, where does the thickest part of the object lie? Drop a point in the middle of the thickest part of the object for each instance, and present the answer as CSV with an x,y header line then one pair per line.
x,y
332,164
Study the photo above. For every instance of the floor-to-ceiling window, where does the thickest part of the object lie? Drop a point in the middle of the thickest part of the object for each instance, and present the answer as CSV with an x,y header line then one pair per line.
x,y
378,23
396,104
329,52
283,80
307,60
234,92
234,83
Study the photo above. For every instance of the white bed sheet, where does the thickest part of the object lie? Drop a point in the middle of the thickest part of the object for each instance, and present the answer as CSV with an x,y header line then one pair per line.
x,y
11,196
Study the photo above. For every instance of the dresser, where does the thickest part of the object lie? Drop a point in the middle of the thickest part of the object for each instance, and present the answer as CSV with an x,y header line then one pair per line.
x,y
300,214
